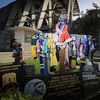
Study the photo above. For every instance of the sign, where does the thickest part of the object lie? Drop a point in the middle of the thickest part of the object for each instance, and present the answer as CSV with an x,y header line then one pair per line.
x,y
60,86
87,71
64,86
29,70
35,87
8,78
28,37
8,75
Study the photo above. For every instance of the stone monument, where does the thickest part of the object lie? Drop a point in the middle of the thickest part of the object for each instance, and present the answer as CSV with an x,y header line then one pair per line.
x,y
24,35
88,71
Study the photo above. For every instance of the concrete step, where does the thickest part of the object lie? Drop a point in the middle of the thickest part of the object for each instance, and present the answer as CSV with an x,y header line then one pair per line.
x,y
7,56
97,54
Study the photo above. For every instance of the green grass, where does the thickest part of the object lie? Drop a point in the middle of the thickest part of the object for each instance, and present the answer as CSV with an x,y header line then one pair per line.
x,y
73,64
31,61
35,62
17,95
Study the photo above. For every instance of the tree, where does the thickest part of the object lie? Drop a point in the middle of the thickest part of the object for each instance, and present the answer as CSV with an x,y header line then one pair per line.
x,y
87,24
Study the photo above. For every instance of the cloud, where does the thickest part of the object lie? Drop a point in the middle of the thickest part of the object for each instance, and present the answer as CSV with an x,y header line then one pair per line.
x,y
97,2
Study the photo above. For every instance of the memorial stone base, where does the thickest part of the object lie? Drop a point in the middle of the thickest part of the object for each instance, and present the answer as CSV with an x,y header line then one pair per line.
x,y
24,35
88,71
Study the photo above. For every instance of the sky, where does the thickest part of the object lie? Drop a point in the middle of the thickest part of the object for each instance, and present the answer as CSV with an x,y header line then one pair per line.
x,y
87,4
5,2
83,4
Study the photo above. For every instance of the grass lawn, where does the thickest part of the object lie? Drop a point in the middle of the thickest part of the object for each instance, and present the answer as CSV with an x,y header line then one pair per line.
x,y
31,61
35,62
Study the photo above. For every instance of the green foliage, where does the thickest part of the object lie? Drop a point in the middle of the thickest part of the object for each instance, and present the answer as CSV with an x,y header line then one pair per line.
x,y
88,24
17,95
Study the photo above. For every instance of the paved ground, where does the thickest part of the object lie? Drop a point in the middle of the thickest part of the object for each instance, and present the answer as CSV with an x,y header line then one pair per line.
x,y
97,58
7,56
97,53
